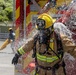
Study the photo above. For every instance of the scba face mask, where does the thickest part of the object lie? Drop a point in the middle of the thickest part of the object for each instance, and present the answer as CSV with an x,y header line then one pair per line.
x,y
40,24
44,33
44,36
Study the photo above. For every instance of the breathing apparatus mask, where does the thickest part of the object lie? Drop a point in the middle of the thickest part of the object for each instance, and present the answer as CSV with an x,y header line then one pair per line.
x,y
43,32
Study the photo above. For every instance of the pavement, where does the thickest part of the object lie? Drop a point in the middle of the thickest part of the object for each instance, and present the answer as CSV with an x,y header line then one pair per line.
x,y
6,55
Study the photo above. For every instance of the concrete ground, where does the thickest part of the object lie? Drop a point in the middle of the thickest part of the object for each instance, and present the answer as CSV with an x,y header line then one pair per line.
x,y
6,55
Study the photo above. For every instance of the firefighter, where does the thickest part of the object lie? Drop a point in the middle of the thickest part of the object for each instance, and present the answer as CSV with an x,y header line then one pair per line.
x,y
11,34
48,48
10,39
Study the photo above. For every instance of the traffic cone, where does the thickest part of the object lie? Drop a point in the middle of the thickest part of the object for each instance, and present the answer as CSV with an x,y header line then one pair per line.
x,y
6,42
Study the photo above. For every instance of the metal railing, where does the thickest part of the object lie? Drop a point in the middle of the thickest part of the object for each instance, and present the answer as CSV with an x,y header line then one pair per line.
x,y
4,35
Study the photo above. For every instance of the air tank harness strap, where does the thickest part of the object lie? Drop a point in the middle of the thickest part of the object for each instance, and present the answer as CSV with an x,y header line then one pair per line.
x,y
53,69
46,68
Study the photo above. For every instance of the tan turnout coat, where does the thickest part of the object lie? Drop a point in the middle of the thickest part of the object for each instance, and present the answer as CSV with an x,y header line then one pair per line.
x,y
68,47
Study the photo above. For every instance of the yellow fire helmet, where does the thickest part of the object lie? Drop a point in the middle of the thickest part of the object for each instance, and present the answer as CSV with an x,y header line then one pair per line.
x,y
10,29
48,20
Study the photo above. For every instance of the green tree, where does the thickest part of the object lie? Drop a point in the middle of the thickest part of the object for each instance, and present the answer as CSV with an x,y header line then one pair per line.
x,y
6,10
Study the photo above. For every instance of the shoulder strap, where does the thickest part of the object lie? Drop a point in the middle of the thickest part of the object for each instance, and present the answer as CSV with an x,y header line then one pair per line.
x,y
34,48
59,44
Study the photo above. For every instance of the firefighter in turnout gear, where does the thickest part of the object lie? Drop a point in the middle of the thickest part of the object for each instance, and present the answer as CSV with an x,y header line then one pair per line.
x,y
48,48
9,40
11,34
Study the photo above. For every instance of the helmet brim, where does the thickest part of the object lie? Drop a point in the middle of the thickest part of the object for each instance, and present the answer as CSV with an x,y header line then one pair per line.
x,y
54,20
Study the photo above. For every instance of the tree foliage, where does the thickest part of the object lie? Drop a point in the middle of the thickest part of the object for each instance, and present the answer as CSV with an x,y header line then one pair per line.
x,y
6,10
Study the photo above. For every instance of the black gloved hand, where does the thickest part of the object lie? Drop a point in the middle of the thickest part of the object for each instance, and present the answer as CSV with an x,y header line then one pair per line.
x,y
15,58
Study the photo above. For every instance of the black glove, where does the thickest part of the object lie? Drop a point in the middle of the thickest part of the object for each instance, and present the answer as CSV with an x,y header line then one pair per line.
x,y
15,58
